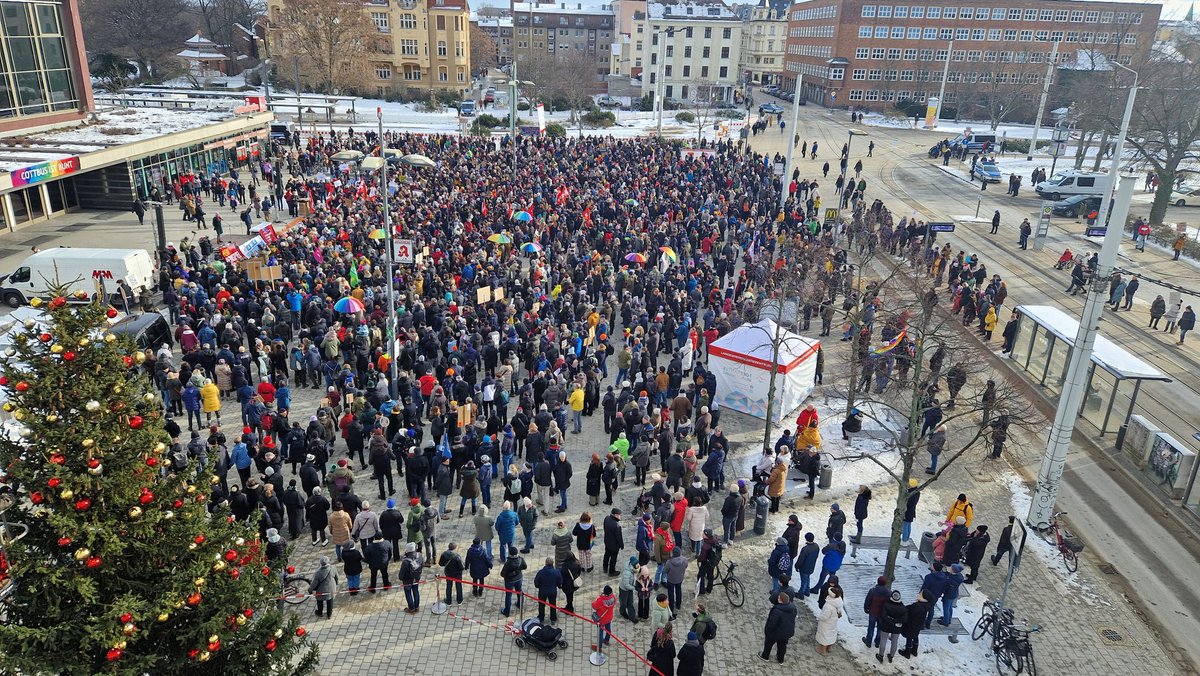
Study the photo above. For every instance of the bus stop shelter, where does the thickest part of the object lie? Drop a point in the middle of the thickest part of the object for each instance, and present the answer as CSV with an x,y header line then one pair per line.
x,y
1045,338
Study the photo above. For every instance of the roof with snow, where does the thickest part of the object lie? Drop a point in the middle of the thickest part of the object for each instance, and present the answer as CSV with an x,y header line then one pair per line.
x,y
753,344
700,10
1105,353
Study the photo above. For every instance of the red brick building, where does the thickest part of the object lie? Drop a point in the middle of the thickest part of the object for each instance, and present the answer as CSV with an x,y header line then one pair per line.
x,y
872,53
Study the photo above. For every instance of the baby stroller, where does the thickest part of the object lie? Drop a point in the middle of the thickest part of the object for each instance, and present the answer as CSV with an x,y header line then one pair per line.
x,y
540,636
642,503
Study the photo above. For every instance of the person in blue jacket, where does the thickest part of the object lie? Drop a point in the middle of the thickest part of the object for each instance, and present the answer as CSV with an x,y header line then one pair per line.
x,y
934,586
831,561
506,525
191,404
953,583
547,581
806,563
479,565
779,563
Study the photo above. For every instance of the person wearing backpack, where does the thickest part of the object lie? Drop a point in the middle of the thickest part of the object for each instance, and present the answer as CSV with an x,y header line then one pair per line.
x,y
703,624
779,563
410,577
511,572
429,522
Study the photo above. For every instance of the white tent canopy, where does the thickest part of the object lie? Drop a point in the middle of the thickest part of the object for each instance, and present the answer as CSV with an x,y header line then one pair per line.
x,y
742,361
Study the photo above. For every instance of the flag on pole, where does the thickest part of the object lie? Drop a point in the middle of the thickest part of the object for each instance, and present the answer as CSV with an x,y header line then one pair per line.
x,y
354,276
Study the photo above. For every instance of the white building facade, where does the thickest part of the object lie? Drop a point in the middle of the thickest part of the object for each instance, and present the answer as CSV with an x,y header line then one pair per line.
x,y
693,46
764,38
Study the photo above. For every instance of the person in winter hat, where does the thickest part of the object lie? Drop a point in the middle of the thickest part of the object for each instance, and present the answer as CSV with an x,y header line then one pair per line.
x,y
779,563
626,587
780,628
323,586
873,607
691,657
837,521
892,618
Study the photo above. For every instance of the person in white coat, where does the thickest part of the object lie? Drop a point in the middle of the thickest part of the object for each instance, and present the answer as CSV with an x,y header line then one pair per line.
x,y
827,621
694,523
687,357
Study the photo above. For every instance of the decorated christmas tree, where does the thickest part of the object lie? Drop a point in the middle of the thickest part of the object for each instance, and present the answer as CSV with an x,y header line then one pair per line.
x,y
122,569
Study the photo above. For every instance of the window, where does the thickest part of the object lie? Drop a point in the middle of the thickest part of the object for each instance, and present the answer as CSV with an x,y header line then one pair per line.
x,y
1061,14
989,56
962,33
954,76
723,72
1032,78
667,71
934,13
1131,38
993,35
890,75
901,12
949,13
868,11
893,54
706,52
1001,78
670,51
974,55
941,55
408,47
1106,17
873,95
1091,17
856,95
875,74
897,32
1077,16
906,76
1122,17
917,12
837,73
704,71
383,72
1010,36
441,25
929,34
881,31
1014,15
687,52
958,55
885,11
1085,37
966,13
926,55
1026,36
878,53
726,33
724,52
1041,36
910,55
977,34
409,22
1102,38
914,33
1031,15
998,13
1035,57
864,31
1006,57
1056,36
708,33
862,53
443,76
922,76
972,77
1072,36
441,48
380,19
1046,15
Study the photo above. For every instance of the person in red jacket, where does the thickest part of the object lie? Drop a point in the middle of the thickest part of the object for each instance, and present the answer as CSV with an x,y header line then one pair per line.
x,y
680,506
603,609
807,416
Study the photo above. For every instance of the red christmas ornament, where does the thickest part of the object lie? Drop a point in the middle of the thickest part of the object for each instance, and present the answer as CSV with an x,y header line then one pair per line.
x,y
37,498
291,569
235,573
113,654
301,631
22,386
45,337
111,313
270,646
58,458
179,503
146,498
93,562
64,541
93,463
54,482
194,599
126,618
3,380
69,356
214,646
201,499
245,560
58,302
136,422
192,653
231,555
152,461
266,571
128,360
249,612
199,539
83,504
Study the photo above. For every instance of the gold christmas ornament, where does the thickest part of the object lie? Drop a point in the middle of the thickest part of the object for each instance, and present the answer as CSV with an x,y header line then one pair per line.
x,y
29,323
199,582
84,342
129,628
214,638
163,617
177,605
140,357
135,512
8,352
191,488
278,633
35,302
148,398
117,389
51,418
88,443
56,348
110,338
219,566
160,447
8,407
67,494
19,414
240,541
170,515
92,406
204,655
241,620
82,553
120,646
214,480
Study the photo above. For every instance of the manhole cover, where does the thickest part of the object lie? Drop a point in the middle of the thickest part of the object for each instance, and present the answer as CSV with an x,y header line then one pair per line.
x,y
1111,636
1107,569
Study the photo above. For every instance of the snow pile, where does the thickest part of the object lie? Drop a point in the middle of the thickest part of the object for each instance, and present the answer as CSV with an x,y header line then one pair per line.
x,y
128,125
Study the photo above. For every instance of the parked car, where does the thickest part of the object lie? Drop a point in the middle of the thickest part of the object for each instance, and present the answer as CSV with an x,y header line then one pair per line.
x,y
1075,205
1185,195
607,101
769,109
987,171
725,105
771,89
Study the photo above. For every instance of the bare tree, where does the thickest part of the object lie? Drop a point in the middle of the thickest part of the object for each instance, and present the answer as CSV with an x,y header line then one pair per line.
x,y
147,32
537,70
1000,90
220,17
333,39
484,52
575,81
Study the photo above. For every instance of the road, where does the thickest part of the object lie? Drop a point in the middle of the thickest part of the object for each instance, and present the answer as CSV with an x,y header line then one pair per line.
x,y
1159,564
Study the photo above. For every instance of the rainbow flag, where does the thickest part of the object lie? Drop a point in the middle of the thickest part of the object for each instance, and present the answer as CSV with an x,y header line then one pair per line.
x,y
892,344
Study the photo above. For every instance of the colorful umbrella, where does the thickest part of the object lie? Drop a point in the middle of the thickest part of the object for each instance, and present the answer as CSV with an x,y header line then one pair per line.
x,y
531,247
635,258
348,305
500,238
631,202
669,253
523,216
377,233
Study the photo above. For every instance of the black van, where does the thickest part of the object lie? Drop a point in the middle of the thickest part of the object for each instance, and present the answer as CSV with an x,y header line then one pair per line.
x,y
148,330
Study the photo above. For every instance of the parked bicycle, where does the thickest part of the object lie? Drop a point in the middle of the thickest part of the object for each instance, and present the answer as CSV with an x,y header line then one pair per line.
x,y
734,589
295,588
1068,545
1010,642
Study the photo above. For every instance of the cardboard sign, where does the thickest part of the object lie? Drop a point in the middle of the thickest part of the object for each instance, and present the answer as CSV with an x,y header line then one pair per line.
x,y
483,295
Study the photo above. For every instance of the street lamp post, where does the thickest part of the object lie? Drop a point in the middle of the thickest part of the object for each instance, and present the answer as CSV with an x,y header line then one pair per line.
x,y
512,113
661,34
1050,474
937,112
390,334
1037,122
784,191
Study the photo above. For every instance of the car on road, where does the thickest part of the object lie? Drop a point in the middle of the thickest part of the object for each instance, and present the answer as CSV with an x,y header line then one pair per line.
x,y
489,97
607,101
987,171
769,109
1075,205
771,89
1185,195
724,105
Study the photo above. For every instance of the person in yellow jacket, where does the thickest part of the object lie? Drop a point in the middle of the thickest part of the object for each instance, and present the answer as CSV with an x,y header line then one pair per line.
x,y
809,436
575,399
961,507
989,323
210,400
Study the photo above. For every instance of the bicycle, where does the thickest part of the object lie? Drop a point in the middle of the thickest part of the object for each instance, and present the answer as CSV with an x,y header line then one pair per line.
x,y
735,591
295,588
1068,545
1011,647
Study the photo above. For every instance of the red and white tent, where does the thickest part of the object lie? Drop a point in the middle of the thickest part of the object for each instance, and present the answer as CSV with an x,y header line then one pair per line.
x,y
742,361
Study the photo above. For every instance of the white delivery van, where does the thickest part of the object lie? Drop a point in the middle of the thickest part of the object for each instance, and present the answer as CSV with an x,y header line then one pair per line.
x,y
86,270
1070,182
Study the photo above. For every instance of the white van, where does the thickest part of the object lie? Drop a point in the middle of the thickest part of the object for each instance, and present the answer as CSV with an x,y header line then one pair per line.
x,y
1072,182
85,270
976,142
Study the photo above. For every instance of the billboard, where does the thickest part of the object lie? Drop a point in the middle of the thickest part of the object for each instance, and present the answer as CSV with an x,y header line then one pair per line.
x,y
44,171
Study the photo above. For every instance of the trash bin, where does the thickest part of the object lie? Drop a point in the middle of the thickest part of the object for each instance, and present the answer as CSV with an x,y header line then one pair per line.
x,y
925,550
826,475
761,504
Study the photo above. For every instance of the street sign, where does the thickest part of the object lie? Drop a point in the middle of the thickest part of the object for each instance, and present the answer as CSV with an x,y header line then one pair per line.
x,y
404,251
1095,231
944,226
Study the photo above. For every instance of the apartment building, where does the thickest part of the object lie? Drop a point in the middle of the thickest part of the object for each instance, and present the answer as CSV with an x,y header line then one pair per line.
x,y
565,27
693,45
865,54
500,29
764,38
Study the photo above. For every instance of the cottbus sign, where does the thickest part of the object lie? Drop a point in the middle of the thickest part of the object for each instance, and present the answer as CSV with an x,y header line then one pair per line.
x,y
44,171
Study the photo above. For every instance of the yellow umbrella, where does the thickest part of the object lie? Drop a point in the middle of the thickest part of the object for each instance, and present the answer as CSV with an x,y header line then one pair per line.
x,y
377,233
500,238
